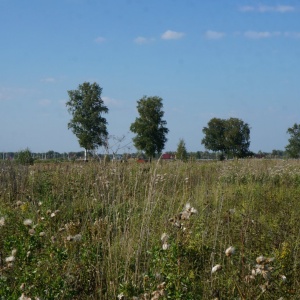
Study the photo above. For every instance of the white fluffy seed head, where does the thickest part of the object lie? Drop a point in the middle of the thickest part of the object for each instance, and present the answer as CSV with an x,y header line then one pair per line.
x,y
165,246
216,268
27,222
164,237
229,251
10,259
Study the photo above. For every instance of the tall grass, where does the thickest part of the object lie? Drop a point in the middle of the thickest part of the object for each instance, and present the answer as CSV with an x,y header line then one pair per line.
x,y
95,230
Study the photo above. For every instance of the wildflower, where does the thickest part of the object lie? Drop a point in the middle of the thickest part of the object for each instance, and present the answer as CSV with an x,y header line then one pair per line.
x,y
42,233
216,268
2,221
229,251
121,296
14,252
40,203
52,215
27,222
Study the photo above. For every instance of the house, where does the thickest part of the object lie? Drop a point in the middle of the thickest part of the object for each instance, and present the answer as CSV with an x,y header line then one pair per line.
x,y
168,156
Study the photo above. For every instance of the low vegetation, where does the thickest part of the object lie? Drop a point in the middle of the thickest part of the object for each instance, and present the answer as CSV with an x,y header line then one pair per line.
x,y
195,230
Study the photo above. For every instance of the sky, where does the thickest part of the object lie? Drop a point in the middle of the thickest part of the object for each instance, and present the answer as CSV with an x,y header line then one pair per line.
x,y
204,58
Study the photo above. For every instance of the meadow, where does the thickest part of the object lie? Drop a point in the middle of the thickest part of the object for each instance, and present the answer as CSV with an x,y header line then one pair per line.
x,y
195,230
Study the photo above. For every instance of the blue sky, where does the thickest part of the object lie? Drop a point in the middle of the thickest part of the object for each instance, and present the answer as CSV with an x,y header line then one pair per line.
x,y
208,58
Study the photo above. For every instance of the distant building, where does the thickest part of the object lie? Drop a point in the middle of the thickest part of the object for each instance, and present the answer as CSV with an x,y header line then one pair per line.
x,y
168,156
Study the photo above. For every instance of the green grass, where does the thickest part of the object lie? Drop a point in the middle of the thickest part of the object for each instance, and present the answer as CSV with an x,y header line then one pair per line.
x,y
96,230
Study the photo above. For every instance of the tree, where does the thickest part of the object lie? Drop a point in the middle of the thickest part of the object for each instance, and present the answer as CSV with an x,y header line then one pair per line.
x,y
293,148
87,123
230,137
181,152
24,157
149,126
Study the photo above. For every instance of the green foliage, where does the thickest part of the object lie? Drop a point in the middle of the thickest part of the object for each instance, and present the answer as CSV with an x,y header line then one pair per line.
x,y
231,137
181,152
293,148
87,123
149,126
24,157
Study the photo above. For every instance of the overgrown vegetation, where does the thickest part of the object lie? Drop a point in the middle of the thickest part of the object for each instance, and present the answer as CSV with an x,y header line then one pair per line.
x,y
150,231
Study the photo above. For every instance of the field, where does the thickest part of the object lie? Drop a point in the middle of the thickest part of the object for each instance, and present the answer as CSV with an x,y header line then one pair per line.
x,y
150,231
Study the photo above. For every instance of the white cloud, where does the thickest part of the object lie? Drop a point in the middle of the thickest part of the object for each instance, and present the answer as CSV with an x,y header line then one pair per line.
x,y
261,34
142,40
99,40
48,79
246,8
267,8
111,102
214,35
172,35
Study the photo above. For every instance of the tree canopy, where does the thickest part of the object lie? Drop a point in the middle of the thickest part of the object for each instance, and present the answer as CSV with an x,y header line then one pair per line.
x,y
293,148
87,123
150,127
231,137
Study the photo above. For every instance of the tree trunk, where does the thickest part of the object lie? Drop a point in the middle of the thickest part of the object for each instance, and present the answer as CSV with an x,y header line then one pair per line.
x,y
85,154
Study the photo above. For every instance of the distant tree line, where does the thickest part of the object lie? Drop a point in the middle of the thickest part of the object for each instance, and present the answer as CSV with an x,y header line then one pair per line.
x,y
226,138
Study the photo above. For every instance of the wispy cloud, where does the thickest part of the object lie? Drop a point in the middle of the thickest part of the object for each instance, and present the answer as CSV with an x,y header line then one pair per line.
x,y
99,40
172,35
143,40
294,35
8,94
111,102
214,35
267,8
261,34
48,79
